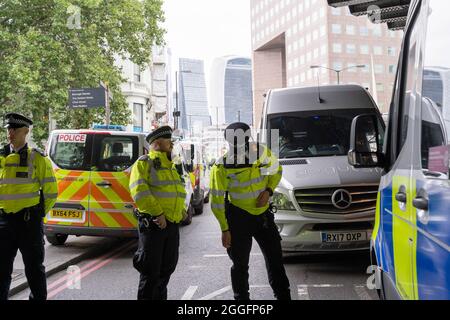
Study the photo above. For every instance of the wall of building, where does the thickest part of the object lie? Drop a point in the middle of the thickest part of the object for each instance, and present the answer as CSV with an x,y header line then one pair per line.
x,y
312,33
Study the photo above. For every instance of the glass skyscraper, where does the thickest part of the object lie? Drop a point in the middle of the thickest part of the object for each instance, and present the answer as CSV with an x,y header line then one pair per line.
x,y
193,102
231,90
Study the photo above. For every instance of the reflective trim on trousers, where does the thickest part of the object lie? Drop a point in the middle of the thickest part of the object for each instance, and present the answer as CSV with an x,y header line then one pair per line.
x,y
19,196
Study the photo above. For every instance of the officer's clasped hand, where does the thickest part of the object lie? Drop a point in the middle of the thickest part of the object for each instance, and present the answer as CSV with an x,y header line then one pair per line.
x,y
160,221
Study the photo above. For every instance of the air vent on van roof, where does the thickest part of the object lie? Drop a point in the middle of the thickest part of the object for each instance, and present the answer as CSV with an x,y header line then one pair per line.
x,y
293,162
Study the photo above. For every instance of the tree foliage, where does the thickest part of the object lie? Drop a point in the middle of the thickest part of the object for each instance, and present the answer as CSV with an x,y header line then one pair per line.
x,y
49,46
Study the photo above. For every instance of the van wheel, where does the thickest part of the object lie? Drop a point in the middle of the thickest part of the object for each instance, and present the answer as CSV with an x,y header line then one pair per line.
x,y
190,214
57,239
199,209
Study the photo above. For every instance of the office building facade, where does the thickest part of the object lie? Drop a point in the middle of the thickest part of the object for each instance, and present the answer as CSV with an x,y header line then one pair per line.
x,y
290,36
192,98
231,94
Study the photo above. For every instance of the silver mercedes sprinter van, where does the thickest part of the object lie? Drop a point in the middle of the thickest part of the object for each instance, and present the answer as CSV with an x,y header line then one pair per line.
x,y
323,203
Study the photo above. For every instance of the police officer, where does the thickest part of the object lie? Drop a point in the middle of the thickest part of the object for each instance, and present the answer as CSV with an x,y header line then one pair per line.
x,y
159,194
241,184
28,190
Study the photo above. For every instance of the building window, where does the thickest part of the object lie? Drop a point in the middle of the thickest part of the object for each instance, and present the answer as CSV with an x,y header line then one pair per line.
x,y
364,31
392,52
380,87
364,49
350,30
336,28
336,11
138,117
379,68
337,48
378,50
351,49
136,73
392,69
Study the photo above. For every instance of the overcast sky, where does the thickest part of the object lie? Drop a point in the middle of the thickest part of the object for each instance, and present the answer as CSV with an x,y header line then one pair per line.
x,y
206,29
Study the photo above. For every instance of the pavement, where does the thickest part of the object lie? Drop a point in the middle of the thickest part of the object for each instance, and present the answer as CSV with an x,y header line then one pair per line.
x,y
59,258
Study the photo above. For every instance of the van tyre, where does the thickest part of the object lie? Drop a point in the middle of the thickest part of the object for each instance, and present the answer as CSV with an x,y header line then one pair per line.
x,y
199,209
57,239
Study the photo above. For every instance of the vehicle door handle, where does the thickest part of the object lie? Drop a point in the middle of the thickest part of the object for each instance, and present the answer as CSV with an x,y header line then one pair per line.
x,y
401,197
421,203
104,184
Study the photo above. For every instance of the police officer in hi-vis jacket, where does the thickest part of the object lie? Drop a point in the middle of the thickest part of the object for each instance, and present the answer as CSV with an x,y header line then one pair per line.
x,y
159,194
28,190
241,184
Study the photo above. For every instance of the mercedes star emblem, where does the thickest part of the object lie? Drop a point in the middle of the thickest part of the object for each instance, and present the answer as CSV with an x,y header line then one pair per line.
x,y
342,199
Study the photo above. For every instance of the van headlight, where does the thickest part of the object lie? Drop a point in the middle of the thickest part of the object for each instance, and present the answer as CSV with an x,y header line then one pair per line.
x,y
282,202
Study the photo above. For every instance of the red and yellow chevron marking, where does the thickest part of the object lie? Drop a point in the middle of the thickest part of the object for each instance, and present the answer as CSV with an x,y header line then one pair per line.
x,y
107,207
73,187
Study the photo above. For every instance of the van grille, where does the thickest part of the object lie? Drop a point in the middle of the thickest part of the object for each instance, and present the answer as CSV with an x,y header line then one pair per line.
x,y
364,198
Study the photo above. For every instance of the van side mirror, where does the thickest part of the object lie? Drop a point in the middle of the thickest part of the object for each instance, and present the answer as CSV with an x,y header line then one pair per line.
x,y
365,146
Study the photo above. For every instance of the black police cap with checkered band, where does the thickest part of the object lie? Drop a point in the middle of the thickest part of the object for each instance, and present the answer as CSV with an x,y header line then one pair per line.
x,y
15,120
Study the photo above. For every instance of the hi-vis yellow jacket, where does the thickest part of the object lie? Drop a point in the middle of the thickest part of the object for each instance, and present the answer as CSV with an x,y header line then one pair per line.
x,y
22,180
157,188
244,184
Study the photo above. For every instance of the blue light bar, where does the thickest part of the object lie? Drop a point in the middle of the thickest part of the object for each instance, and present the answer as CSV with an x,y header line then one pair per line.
x,y
113,127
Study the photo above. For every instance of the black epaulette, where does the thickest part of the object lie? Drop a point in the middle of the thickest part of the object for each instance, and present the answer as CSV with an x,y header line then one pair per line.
x,y
42,153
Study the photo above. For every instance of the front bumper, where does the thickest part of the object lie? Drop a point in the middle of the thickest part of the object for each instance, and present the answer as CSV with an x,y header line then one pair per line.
x,y
303,234
88,231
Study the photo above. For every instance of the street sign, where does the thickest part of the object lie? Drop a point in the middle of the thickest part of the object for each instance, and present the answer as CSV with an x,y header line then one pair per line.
x,y
87,98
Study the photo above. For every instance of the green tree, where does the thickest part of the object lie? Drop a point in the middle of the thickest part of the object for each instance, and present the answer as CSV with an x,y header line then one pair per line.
x,y
49,46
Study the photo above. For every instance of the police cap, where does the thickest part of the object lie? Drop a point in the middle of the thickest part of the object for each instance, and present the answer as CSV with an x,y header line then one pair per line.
x,y
15,121
163,132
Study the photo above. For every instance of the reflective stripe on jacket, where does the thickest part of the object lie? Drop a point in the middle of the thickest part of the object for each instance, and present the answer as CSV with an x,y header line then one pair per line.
x,y
244,185
20,185
156,187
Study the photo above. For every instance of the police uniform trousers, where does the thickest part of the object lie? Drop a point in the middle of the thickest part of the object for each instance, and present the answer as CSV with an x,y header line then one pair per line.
x,y
23,231
156,259
243,227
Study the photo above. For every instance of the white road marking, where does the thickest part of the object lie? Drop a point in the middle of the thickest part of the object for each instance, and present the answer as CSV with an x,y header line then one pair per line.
x,y
303,293
260,286
216,293
320,285
226,255
189,293
362,292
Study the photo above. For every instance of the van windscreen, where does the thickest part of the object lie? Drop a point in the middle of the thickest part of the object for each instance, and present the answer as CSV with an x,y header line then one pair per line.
x,y
71,151
315,133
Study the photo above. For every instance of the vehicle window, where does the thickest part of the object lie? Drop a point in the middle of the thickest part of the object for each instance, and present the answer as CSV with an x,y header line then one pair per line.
x,y
316,133
71,151
436,81
114,153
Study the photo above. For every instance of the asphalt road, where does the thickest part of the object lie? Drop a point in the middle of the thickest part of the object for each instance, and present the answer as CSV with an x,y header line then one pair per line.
x,y
203,272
